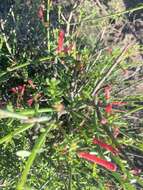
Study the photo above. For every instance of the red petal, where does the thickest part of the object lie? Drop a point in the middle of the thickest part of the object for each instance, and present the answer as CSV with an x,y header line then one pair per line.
x,y
106,146
60,41
108,165
108,108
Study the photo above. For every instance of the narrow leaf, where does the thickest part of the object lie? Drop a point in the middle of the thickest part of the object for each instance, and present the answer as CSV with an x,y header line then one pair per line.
x,y
32,157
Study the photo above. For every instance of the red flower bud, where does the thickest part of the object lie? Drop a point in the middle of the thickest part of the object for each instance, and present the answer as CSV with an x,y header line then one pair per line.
x,y
14,90
92,158
60,41
106,146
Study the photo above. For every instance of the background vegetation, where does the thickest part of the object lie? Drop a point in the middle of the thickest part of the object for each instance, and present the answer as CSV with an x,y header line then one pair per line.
x,y
70,71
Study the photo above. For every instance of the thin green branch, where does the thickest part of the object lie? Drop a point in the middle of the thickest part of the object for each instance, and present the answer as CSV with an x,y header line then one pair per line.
x,y
134,111
21,66
32,111
23,118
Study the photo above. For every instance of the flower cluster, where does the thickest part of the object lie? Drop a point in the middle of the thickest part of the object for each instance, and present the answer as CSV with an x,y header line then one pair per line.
x,y
20,91
94,159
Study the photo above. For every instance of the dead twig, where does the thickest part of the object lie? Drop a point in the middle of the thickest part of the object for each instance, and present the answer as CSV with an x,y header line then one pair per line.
x,y
113,66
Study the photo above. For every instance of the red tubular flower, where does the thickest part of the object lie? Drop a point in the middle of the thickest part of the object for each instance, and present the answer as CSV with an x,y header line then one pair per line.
x,y
92,158
108,108
18,89
119,103
60,41
106,146
107,92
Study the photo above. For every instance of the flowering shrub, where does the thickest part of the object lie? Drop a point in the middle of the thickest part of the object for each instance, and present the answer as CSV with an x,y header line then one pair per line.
x,y
64,124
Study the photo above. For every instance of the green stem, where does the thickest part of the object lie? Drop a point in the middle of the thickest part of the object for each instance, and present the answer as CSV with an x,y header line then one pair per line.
x,y
32,111
131,112
7,114
134,110
18,67
32,157
9,70
23,118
